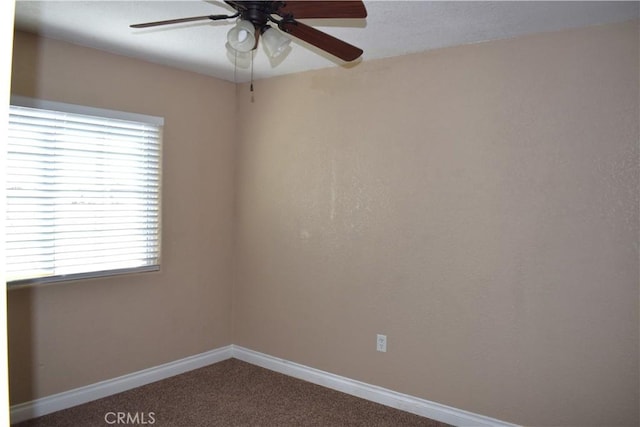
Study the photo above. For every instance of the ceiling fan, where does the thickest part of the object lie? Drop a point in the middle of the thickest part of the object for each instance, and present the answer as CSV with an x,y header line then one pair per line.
x,y
255,18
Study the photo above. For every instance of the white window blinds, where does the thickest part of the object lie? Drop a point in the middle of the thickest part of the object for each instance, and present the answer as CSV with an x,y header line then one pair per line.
x,y
83,195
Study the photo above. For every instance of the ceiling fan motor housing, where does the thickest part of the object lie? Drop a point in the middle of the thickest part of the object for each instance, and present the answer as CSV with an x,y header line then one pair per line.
x,y
257,12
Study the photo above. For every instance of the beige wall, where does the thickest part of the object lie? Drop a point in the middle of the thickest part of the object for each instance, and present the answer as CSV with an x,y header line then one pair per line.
x,y
479,205
69,335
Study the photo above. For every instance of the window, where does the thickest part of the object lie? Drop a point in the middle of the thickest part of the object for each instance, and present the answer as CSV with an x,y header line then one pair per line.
x,y
83,192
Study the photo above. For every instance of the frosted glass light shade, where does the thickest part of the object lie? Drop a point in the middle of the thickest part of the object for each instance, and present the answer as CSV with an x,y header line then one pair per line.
x,y
242,37
239,59
274,42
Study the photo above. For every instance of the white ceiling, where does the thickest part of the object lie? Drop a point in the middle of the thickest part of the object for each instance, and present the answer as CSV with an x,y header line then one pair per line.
x,y
392,28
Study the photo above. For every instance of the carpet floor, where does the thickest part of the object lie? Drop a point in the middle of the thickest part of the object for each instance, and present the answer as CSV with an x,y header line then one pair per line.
x,y
231,393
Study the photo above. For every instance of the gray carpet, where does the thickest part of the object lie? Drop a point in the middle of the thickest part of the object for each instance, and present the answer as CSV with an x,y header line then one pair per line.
x,y
231,393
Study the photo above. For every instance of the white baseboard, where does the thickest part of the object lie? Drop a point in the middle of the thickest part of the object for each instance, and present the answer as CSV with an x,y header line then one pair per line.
x,y
56,402
46,405
404,402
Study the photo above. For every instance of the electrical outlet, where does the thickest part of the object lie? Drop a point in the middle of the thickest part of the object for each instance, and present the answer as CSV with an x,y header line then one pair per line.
x,y
381,343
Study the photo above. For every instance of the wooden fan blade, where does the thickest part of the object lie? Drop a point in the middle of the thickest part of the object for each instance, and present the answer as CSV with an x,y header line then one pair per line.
x,y
179,20
324,41
323,9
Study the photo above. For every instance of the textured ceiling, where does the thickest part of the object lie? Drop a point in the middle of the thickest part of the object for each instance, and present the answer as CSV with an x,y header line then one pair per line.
x,y
392,28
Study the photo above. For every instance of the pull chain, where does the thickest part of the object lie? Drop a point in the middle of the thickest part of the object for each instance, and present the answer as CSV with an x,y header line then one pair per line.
x,y
235,66
251,87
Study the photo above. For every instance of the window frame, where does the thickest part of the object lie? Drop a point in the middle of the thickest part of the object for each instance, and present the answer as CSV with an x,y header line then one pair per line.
x,y
22,101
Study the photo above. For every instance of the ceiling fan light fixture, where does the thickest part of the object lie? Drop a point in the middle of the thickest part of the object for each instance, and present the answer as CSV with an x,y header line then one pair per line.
x,y
242,37
275,43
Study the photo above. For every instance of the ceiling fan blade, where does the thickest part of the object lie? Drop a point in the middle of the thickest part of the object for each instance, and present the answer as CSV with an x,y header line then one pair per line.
x,y
323,9
324,41
179,20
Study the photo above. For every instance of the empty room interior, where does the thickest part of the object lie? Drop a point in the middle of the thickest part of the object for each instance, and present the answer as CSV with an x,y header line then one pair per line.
x,y
476,204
